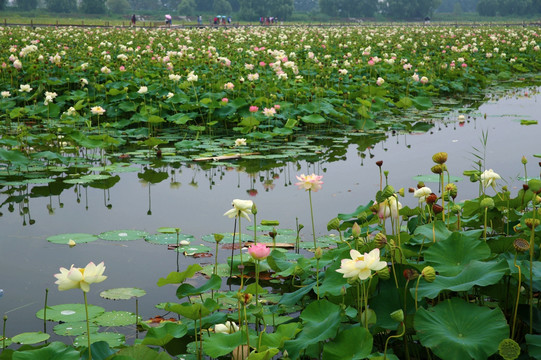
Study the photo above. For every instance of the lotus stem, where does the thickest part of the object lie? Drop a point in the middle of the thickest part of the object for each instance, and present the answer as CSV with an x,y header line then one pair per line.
x,y
485,227
442,198
393,336
136,318
518,297
233,249
256,282
532,244
416,287
45,312
312,217
4,332
195,335
87,327
255,229
317,278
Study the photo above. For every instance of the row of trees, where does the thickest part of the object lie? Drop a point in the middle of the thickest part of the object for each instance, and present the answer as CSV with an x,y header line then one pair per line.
x,y
253,9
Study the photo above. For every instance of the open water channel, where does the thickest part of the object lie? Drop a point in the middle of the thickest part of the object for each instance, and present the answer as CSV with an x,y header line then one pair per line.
x,y
195,200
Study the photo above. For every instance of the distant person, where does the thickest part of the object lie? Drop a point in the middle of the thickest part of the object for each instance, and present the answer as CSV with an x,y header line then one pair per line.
x,y
168,20
215,20
229,19
427,20
200,20
261,20
133,20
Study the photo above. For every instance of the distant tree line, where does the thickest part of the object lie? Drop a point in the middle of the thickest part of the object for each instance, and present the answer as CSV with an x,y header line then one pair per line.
x,y
252,10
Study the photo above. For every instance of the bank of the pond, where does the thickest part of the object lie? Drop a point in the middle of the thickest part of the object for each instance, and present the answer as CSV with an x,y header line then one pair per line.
x,y
195,201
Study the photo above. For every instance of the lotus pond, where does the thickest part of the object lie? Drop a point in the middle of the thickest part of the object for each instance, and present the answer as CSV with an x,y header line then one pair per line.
x,y
130,146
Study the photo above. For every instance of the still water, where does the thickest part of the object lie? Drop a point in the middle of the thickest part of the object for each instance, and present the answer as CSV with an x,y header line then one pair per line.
x,y
195,200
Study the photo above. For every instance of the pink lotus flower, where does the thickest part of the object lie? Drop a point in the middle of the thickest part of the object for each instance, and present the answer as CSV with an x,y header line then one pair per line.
x,y
309,182
262,63
269,112
253,109
225,100
259,251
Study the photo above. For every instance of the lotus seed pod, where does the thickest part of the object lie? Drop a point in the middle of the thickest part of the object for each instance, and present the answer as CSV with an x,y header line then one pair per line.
x,y
531,223
380,162
521,245
451,189
431,199
398,315
429,274
524,161
487,203
437,208
218,237
334,224
318,253
410,274
456,208
401,192
509,349
439,158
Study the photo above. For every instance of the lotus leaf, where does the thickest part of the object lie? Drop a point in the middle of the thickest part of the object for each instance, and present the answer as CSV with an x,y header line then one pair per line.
x,y
456,330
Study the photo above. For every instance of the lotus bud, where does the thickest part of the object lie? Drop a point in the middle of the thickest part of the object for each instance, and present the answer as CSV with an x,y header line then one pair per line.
x,y
456,208
401,192
301,226
254,209
440,158
437,208
398,315
380,162
71,243
487,203
452,190
521,245
343,291
356,230
245,297
218,237
524,161
380,240
410,274
437,169
429,274
531,223
461,118
318,253
384,274
334,224
362,217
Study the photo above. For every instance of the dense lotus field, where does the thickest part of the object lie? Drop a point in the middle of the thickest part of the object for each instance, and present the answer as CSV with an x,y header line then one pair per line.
x,y
449,278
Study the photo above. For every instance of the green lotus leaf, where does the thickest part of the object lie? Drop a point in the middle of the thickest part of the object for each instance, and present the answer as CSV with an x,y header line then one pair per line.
x,y
30,337
74,328
115,318
168,230
313,119
321,320
161,335
476,273
219,344
123,235
193,249
113,339
534,345
449,256
53,351
140,352
425,233
179,277
95,177
39,181
422,103
456,330
79,238
228,238
352,343
168,239
122,293
191,311
70,312
77,181
214,283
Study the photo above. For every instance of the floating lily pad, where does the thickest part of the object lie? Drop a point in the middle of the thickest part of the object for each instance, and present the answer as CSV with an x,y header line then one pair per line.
x,y
223,270
74,328
30,338
70,312
79,238
39,181
77,181
113,339
115,318
95,177
123,235
122,293
168,230
228,238
434,178
168,239
193,249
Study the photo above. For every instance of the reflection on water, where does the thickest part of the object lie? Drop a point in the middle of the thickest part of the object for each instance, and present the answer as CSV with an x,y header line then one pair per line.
x,y
147,193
